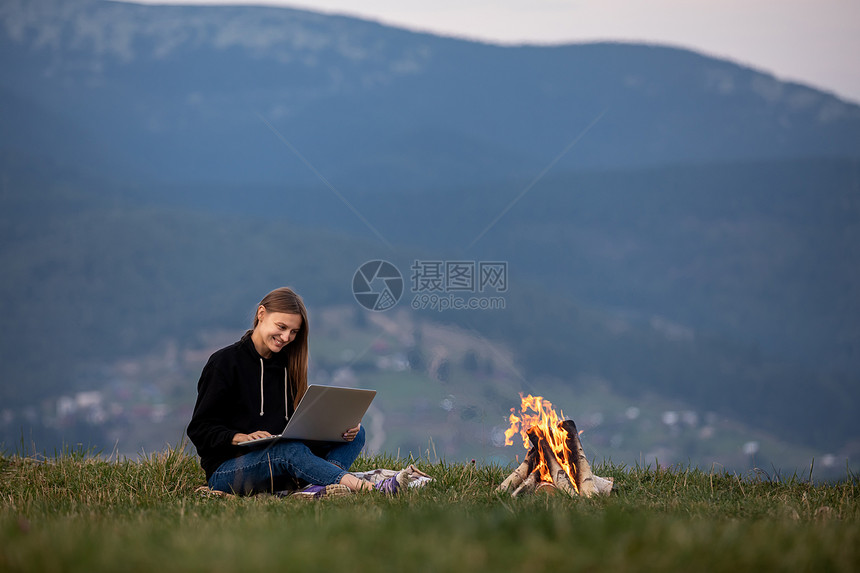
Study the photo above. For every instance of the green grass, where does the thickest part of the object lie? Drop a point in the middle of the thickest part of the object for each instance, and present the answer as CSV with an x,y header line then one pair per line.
x,y
75,512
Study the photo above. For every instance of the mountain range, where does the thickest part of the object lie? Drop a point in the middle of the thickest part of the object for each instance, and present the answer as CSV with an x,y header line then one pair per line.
x,y
184,94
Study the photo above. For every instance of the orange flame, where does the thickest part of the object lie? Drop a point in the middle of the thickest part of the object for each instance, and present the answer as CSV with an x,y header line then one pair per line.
x,y
537,416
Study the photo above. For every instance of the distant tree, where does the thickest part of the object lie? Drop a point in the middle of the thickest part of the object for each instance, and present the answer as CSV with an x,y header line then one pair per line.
x,y
443,372
470,361
415,358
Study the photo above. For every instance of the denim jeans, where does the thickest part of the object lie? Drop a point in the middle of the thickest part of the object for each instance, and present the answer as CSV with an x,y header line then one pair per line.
x,y
287,464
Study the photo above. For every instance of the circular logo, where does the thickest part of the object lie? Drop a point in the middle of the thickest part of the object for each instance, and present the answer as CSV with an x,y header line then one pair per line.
x,y
377,285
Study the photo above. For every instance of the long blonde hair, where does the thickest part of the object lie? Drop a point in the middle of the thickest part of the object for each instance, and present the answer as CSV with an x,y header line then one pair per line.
x,y
287,301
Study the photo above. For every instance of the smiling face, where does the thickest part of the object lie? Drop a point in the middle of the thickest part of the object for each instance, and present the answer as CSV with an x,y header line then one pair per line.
x,y
274,330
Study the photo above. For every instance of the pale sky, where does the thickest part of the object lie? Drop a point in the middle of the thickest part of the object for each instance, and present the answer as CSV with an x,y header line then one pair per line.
x,y
815,42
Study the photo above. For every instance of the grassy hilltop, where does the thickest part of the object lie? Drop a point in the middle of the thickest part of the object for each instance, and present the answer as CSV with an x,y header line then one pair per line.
x,y
75,512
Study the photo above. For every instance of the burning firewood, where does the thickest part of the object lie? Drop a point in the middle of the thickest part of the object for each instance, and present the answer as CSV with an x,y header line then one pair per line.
x,y
528,485
584,477
519,475
555,455
558,475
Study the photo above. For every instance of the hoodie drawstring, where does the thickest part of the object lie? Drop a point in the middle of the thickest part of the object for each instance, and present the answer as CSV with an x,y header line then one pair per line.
x,y
286,398
261,386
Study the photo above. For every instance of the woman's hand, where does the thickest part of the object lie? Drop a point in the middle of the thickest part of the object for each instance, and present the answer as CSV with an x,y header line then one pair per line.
x,y
351,433
239,438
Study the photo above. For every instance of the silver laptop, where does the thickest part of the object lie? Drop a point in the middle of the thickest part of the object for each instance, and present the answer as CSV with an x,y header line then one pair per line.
x,y
324,413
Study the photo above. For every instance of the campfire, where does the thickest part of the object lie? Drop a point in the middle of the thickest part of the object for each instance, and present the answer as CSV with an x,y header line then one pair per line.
x,y
555,460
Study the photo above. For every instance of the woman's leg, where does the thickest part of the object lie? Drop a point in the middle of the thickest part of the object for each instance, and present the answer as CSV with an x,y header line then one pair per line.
x,y
274,467
342,454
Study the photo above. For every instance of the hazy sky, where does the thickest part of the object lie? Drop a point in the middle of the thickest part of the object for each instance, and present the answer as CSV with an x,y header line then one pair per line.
x,y
811,41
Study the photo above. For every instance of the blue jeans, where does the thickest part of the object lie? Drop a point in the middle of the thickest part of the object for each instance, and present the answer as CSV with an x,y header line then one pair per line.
x,y
287,464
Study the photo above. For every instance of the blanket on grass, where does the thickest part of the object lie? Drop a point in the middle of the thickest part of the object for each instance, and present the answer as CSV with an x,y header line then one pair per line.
x,y
409,476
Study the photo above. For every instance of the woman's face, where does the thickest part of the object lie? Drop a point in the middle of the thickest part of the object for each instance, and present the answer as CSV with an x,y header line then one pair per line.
x,y
274,331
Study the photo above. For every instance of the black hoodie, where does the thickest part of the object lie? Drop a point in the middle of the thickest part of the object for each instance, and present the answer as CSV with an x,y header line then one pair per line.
x,y
239,392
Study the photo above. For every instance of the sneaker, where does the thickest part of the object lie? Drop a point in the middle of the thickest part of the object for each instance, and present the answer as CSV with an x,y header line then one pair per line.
x,y
389,486
312,491
318,491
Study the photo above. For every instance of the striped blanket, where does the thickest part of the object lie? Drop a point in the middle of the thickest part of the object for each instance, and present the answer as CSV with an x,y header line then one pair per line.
x,y
409,476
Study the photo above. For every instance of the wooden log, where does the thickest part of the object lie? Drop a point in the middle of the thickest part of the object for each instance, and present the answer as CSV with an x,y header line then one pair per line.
x,y
519,475
604,485
584,477
556,472
529,484
516,478
545,488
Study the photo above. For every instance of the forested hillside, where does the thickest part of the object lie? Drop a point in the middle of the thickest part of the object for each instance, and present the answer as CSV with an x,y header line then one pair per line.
x,y
101,278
